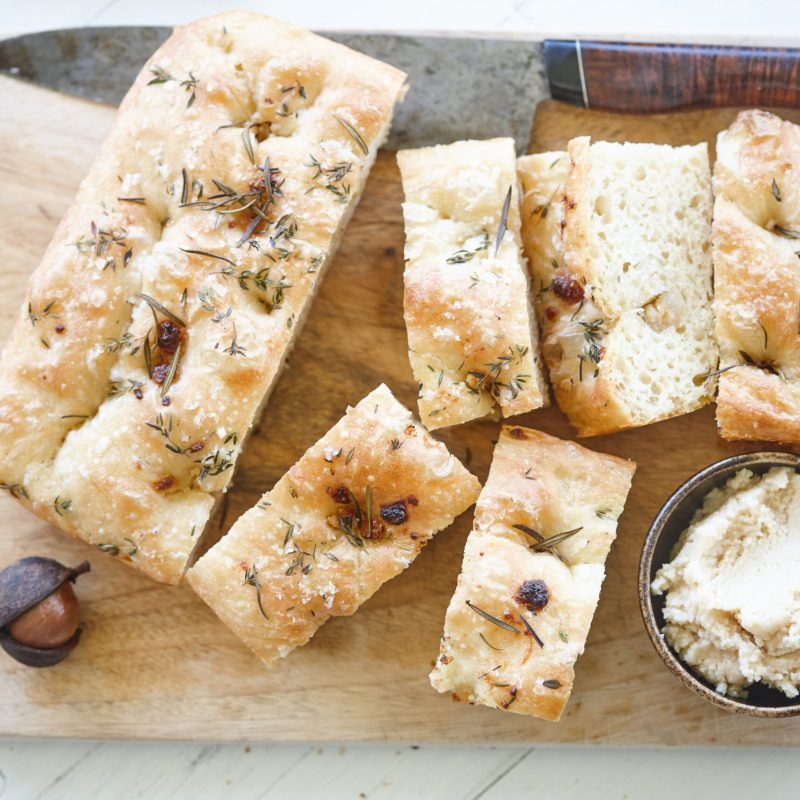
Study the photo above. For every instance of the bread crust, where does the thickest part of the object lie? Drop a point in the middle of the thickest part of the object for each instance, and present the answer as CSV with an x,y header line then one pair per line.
x,y
550,486
592,309
87,440
307,568
756,279
472,335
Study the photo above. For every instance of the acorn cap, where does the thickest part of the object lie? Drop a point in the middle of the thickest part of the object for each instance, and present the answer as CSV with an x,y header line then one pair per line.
x,y
27,582
38,657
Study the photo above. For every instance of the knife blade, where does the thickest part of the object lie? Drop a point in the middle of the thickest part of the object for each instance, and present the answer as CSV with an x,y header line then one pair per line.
x,y
470,87
464,86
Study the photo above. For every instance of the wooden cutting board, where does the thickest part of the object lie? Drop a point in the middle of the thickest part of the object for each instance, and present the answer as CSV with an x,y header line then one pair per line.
x,y
155,662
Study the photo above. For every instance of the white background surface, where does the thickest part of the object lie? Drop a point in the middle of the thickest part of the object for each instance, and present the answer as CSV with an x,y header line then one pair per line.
x,y
120,770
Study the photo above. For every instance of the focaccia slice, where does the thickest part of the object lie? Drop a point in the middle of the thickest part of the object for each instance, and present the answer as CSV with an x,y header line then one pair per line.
x,y
170,294
757,278
522,608
618,242
472,336
352,513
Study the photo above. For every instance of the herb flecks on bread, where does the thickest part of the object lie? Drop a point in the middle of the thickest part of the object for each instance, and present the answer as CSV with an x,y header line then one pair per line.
x,y
168,299
531,575
353,512
472,336
757,278
617,238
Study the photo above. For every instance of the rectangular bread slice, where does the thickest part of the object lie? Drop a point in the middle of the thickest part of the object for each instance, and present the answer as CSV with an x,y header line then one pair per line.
x,y
472,336
757,278
167,300
522,608
353,512
618,242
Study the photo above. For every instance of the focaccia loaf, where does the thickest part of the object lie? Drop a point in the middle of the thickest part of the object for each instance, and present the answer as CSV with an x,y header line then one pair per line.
x,y
472,336
352,513
521,611
167,300
757,278
618,241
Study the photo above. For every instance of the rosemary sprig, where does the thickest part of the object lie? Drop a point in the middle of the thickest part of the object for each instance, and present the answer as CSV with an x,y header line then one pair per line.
x,y
62,505
488,643
788,233
173,368
531,631
501,228
16,490
546,543
355,135
489,618
208,255
156,306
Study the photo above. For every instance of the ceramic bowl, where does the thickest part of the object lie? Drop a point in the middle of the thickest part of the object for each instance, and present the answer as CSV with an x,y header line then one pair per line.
x,y
670,522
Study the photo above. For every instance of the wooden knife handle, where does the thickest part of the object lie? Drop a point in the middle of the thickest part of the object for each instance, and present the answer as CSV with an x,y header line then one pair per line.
x,y
646,78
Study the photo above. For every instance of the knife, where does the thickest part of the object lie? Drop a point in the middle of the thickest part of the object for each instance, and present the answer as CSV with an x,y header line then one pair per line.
x,y
460,86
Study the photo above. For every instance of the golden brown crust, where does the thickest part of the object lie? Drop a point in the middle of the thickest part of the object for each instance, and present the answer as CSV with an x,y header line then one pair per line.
x,y
548,486
85,433
757,285
471,332
296,548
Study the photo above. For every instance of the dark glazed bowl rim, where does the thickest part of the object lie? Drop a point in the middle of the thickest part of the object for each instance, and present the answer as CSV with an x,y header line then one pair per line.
x,y
683,500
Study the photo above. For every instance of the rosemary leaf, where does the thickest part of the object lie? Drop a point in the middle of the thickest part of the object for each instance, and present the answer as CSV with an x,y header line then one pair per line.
x,y
356,136
501,229
156,306
173,367
489,618
531,631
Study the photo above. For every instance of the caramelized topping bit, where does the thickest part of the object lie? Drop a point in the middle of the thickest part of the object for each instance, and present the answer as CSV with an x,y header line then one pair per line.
x,y
533,594
160,372
167,482
340,495
394,513
170,336
518,433
567,288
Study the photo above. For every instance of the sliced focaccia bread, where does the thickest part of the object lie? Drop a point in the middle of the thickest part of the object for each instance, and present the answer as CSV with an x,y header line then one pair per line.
x,y
165,305
532,572
352,513
618,241
472,338
757,278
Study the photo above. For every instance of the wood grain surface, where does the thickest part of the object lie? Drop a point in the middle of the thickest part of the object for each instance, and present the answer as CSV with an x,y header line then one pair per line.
x,y
644,78
155,662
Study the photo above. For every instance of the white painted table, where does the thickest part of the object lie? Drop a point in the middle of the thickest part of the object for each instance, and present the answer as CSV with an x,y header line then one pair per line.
x,y
121,770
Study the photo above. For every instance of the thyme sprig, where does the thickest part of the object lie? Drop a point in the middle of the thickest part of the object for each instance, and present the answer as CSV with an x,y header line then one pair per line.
x,y
101,243
47,311
489,380
162,76
251,579
463,255
331,178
